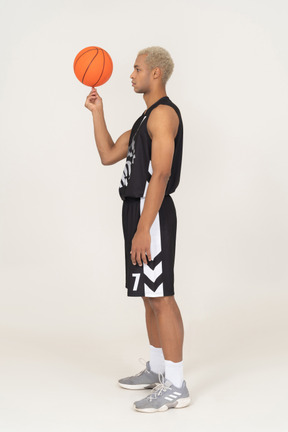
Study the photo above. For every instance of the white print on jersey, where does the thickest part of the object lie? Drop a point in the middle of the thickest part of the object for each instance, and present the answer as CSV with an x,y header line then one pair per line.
x,y
129,160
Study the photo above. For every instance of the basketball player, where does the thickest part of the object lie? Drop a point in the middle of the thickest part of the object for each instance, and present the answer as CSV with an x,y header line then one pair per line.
x,y
153,152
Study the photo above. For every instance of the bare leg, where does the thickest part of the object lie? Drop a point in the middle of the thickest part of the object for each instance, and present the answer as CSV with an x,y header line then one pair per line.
x,y
168,321
151,324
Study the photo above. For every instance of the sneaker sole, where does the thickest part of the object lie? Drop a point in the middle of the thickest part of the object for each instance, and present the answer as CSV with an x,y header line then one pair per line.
x,y
180,403
137,386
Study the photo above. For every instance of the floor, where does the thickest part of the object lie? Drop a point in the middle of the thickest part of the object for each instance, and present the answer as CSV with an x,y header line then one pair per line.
x,y
54,384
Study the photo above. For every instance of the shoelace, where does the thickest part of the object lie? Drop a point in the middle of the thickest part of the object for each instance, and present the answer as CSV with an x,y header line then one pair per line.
x,y
159,388
143,361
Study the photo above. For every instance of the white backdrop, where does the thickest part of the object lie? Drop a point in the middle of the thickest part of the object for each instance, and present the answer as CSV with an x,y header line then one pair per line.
x,y
62,251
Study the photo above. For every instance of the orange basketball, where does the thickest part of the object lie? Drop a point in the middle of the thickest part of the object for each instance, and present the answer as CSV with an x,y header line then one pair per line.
x,y
93,66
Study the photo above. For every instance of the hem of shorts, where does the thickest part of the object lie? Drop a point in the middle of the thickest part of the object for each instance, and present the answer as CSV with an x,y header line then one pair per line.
x,y
133,295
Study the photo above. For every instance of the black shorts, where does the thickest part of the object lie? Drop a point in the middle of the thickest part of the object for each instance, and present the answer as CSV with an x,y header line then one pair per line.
x,y
155,279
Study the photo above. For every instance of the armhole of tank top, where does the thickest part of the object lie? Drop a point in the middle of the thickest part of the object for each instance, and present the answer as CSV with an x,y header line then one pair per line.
x,y
179,117
136,126
180,123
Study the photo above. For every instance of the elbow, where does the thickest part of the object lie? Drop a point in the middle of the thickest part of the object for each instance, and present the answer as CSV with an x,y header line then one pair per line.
x,y
105,161
163,175
166,176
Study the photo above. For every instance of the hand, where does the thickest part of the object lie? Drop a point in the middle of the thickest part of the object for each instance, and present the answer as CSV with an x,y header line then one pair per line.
x,y
93,100
141,247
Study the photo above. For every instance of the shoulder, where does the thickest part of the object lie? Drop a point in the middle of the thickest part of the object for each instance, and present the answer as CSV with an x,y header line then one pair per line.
x,y
163,117
165,112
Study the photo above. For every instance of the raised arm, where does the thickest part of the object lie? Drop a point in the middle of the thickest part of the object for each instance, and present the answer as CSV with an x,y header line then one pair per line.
x,y
109,152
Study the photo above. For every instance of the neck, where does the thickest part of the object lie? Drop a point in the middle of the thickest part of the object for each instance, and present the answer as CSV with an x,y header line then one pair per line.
x,y
152,97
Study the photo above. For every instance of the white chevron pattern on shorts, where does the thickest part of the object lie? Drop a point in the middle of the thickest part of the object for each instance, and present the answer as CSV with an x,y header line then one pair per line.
x,y
152,274
155,249
149,293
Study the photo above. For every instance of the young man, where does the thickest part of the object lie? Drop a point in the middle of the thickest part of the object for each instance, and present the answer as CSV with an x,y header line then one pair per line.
x,y
153,152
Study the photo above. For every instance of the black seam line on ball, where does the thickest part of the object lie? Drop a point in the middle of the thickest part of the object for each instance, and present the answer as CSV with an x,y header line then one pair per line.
x,y
102,69
89,65
92,49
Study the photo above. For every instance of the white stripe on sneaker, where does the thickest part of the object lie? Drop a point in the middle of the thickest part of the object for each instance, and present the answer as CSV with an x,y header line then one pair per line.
x,y
168,398
178,394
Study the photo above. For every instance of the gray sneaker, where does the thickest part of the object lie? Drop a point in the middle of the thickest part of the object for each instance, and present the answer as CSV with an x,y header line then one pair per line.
x,y
146,379
164,396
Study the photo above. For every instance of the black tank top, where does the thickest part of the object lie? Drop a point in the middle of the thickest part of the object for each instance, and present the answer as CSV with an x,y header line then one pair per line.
x,y
138,169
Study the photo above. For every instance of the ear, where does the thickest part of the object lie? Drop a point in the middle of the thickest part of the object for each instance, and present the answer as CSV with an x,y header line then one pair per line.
x,y
157,72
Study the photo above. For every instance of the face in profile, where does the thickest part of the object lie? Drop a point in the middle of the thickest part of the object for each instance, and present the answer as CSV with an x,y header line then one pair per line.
x,y
141,76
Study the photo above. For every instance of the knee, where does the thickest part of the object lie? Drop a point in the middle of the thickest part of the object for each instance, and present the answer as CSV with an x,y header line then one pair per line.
x,y
160,304
147,305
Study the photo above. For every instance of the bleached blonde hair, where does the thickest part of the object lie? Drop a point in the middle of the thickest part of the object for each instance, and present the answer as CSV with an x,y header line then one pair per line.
x,y
159,57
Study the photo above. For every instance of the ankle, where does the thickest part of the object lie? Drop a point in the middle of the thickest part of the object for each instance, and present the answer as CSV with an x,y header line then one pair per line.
x,y
157,364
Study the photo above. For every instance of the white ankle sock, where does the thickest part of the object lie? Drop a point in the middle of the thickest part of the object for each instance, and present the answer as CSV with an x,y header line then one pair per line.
x,y
174,372
157,360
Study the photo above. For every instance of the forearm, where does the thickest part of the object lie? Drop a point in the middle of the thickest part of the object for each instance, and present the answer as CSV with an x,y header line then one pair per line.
x,y
153,200
103,139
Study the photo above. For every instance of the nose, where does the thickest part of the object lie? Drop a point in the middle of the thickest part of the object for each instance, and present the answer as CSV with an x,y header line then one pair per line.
x,y
131,76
